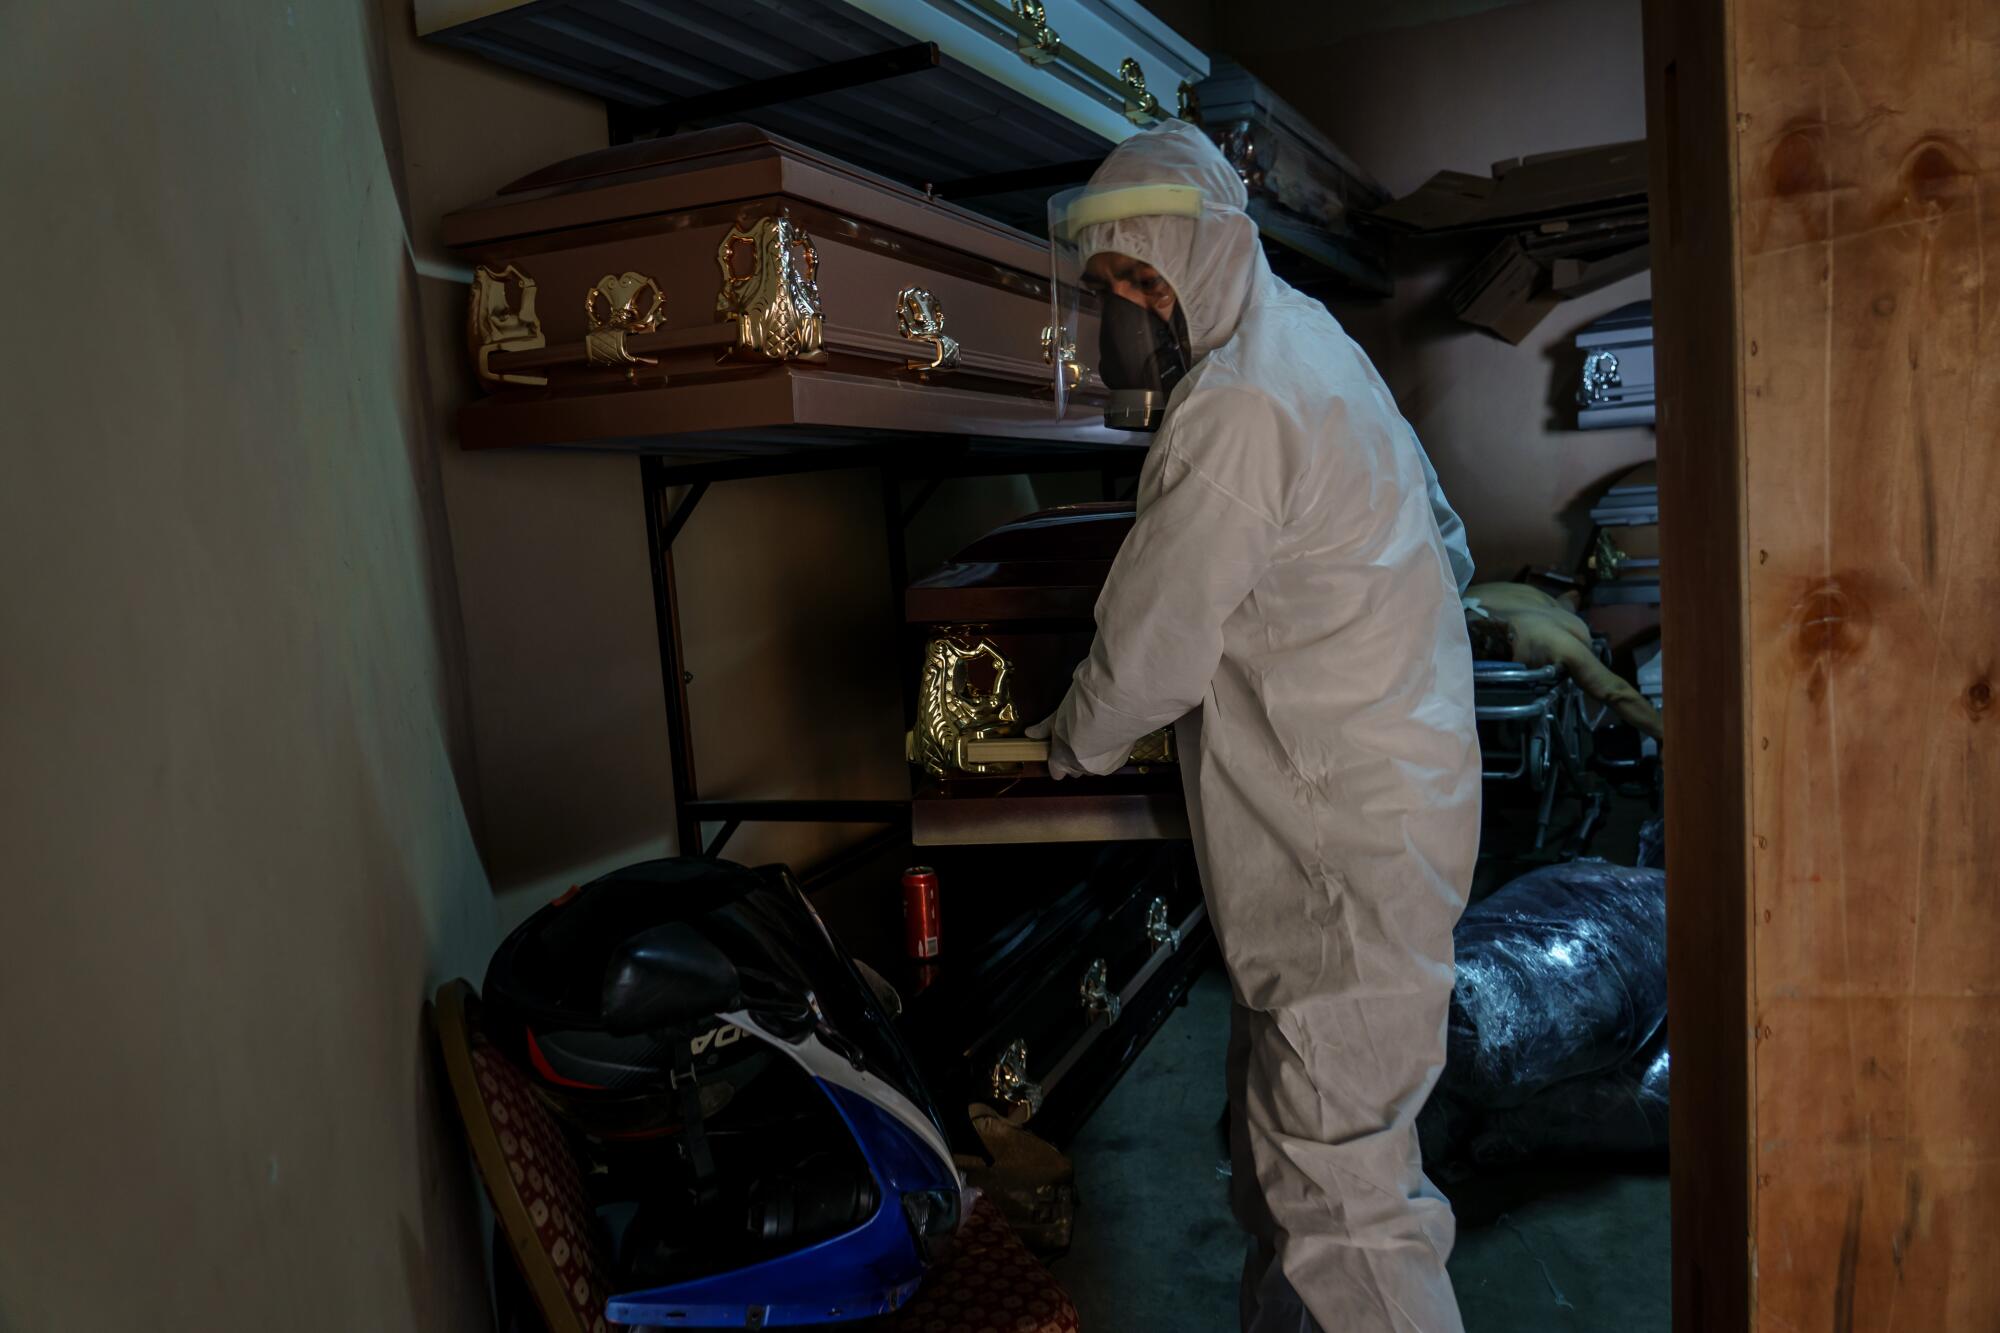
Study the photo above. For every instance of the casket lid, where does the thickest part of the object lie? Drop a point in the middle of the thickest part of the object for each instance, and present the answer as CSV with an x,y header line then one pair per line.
x,y
724,165
1045,566
1082,532
673,153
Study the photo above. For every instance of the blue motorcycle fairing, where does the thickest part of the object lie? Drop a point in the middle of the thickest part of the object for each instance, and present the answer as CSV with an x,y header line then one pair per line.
x,y
871,1270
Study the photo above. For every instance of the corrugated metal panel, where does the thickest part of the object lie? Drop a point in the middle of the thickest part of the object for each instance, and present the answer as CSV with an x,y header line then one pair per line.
x,y
929,126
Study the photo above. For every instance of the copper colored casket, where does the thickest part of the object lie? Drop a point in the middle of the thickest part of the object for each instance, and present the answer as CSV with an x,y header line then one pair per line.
x,y
1000,629
727,291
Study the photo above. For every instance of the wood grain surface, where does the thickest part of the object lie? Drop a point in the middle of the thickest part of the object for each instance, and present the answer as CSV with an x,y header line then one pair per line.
x,y
1691,139
1868,381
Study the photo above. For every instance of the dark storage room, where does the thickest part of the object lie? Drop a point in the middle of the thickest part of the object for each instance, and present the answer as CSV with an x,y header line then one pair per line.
x,y
1002,666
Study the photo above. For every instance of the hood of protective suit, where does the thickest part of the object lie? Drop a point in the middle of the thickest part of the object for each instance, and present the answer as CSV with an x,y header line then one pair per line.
x,y
1212,260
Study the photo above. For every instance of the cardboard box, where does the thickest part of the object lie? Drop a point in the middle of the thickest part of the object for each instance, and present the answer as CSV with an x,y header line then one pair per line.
x,y
1507,293
1607,178
1578,277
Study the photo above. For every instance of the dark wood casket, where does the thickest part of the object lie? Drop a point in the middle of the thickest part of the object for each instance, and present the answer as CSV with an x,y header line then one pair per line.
x,y
1060,961
999,631
740,293
1082,895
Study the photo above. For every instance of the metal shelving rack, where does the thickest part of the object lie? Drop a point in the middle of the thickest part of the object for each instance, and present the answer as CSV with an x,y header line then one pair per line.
x,y
673,490
674,485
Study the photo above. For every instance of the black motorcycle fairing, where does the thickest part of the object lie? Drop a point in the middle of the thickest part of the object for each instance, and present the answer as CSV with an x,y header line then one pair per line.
x,y
667,975
551,969
546,987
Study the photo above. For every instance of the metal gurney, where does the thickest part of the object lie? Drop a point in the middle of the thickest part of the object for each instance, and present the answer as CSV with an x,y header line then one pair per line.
x,y
1531,729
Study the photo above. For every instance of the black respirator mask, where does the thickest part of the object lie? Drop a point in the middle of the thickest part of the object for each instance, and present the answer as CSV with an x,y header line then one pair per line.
x,y
1141,358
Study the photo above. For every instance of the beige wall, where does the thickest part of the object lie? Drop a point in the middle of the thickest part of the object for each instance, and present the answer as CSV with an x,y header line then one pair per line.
x,y
568,763
293,687
231,694
1462,94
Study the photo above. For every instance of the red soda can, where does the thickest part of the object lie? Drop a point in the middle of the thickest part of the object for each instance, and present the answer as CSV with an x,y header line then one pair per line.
x,y
920,912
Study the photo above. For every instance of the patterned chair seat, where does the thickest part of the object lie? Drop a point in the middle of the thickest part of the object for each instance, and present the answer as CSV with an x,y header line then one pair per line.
x,y
989,1283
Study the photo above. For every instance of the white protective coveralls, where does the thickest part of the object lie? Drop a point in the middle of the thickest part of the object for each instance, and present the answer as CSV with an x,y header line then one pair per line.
x,y
1286,596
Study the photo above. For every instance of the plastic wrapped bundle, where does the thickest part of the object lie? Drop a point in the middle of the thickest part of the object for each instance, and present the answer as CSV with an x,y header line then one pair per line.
x,y
1621,1111
1653,844
1561,973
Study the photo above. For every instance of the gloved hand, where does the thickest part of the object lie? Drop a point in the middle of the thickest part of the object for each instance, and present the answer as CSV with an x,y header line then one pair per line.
x,y
1062,759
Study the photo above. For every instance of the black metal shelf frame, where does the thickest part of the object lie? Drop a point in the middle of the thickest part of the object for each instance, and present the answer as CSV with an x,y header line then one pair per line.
x,y
674,489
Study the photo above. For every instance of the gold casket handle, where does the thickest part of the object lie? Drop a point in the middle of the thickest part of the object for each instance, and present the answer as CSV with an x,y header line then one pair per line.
x,y
619,305
499,320
920,318
1155,748
1096,995
1001,750
1056,342
1012,1087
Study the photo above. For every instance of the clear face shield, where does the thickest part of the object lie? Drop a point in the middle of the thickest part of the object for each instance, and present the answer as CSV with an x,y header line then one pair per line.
x,y
1113,318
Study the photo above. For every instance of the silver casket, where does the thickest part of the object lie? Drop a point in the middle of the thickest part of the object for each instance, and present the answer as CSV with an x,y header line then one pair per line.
x,y
1617,387
1305,194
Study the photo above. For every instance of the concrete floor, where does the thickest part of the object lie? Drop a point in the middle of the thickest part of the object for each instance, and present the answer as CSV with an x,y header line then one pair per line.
x,y
1155,1248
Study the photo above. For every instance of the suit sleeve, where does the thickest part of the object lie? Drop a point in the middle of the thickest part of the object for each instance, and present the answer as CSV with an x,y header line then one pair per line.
x,y
1192,558
1450,526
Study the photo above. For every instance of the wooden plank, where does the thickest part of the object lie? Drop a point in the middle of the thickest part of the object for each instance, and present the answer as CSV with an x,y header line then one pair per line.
x,y
1870,373
1693,236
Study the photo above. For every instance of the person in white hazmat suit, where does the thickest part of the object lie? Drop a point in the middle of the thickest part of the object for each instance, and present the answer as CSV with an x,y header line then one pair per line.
x,y
1289,599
